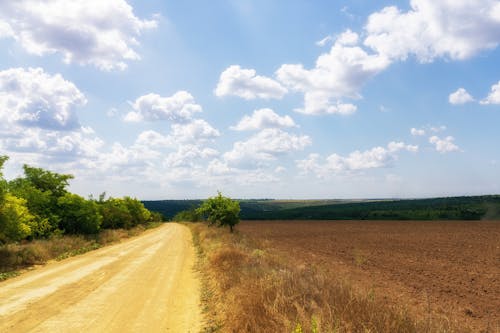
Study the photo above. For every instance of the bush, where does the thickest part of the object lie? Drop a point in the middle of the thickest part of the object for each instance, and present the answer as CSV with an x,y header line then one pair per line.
x,y
79,216
16,222
190,215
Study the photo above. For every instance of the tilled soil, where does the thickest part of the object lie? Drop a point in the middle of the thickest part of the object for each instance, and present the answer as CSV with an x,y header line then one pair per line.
x,y
437,270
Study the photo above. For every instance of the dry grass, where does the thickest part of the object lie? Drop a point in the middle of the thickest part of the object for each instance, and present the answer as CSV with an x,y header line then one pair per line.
x,y
248,288
14,257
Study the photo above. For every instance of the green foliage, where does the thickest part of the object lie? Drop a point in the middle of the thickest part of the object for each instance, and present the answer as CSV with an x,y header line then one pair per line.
x,y
41,189
220,211
190,215
79,216
3,183
115,214
45,180
38,205
16,222
138,213
125,213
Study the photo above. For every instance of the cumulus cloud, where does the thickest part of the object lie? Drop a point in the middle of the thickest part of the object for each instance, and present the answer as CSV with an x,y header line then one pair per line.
x,y
377,157
76,147
264,146
100,33
453,29
461,96
417,132
197,131
494,96
444,145
177,108
33,98
187,156
263,118
338,74
244,83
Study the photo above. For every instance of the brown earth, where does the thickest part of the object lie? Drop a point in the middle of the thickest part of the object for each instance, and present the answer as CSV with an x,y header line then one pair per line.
x,y
144,284
437,270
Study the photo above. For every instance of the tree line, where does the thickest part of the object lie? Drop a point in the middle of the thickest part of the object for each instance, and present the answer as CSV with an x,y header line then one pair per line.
x,y
39,205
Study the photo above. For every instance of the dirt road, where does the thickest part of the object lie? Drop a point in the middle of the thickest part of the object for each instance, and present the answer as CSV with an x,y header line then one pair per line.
x,y
145,284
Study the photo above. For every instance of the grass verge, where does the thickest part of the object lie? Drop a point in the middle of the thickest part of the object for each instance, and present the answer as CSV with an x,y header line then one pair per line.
x,y
17,256
246,287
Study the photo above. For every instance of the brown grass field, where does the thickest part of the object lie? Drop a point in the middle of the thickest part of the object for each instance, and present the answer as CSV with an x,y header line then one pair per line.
x,y
441,272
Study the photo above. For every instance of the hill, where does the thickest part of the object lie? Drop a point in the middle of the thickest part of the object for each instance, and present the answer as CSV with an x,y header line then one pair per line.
x,y
448,208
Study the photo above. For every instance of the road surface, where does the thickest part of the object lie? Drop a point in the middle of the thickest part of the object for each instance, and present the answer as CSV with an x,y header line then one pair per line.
x,y
144,284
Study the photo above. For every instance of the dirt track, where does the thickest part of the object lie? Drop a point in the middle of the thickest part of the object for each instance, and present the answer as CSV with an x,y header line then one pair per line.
x,y
145,284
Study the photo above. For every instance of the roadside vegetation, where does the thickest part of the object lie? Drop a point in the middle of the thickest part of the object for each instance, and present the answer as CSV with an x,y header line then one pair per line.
x,y
247,287
41,220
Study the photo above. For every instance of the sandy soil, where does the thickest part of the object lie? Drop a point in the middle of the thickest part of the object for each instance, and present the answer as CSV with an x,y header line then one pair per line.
x,y
436,269
144,284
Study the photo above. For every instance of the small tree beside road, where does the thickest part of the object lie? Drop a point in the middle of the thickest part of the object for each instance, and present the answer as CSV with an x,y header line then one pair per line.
x,y
220,211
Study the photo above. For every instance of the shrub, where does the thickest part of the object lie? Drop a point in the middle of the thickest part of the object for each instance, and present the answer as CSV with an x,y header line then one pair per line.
x,y
79,215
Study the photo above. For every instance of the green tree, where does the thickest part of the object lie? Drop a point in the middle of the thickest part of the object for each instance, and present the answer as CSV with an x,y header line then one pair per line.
x,y
221,211
138,213
45,180
78,215
189,215
41,189
16,222
3,183
115,214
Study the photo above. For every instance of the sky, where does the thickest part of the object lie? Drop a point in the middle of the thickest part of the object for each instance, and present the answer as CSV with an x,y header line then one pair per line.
x,y
288,99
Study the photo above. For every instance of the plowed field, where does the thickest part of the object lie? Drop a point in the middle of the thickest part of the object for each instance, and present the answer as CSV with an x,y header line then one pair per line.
x,y
437,270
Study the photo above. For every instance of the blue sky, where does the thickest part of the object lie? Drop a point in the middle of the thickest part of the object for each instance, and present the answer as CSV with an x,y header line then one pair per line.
x,y
258,99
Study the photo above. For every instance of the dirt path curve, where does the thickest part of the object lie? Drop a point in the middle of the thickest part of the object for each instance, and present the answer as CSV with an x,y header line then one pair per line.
x,y
145,284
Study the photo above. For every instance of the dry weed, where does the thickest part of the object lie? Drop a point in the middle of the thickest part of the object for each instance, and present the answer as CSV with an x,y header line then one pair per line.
x,y
248,288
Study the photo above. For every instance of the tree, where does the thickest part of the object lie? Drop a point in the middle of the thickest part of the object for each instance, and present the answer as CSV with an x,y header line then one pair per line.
x,y
41,189
221,211
3,183
115,214
139,214
79,216
16,222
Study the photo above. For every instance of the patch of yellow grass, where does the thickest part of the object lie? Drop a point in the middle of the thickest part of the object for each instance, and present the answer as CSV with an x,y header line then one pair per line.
x,y
248,288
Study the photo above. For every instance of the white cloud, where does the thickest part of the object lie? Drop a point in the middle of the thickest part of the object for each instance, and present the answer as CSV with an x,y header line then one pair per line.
x,y
154,139
348,37
461,96
454,29
179,107
377,157
338,74
444,145
264,146
196,131
51,146
32,98
437,129
100,33
187,156
417,132
325,41
494,96
244,83
263,118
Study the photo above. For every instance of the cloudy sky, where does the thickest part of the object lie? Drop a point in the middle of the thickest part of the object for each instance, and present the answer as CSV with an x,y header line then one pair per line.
x,y
259,99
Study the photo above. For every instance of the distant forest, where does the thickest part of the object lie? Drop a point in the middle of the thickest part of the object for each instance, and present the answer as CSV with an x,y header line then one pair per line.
x,y
451,208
